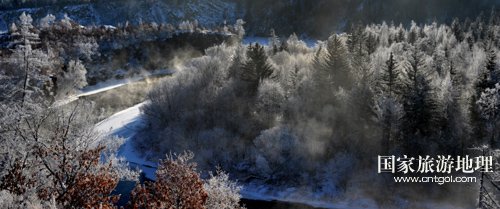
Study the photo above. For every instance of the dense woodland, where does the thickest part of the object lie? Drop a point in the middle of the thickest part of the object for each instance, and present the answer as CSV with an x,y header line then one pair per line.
x,y
318,116
286,114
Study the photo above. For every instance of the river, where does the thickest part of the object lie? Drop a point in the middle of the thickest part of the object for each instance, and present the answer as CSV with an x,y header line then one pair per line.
x,y
124,188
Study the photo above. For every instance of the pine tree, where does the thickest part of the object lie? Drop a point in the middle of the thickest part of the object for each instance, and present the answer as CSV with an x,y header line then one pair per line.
x,y
390,76
371,43
413,33
489,106
236,62
457,30
389,82
356,39
274,42
491,66
488,77
456,131
421,109
334,71
293,82
257,68
401,35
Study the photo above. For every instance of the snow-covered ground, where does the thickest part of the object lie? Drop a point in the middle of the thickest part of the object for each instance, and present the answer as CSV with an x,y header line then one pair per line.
x,y
115,83
125,124
110,84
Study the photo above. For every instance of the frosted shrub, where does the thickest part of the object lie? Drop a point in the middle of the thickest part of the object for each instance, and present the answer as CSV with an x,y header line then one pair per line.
x,y
270,100
278,147
222,192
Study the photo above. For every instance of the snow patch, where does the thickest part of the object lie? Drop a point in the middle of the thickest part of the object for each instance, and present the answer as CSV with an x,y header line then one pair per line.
x,y
125,124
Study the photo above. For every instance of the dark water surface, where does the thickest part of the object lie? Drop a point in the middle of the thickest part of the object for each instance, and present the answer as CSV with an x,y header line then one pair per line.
x,y
124,187
260,204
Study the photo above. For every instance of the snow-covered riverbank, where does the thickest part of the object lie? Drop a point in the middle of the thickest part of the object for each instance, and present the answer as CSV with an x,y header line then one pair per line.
x,y
125,124
111,84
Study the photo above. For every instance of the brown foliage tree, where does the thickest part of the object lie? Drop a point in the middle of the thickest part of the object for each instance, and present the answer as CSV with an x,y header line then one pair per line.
x,y
52,153
177,186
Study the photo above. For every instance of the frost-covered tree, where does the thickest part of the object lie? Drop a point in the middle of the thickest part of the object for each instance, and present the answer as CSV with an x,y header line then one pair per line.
x,y
489,105
328,108
270,102
85,48
457,30
356,39
294,45
371,43
73,78
239,29
257,68
47,21
29,200
186,26
333,69
66,22
237,62
413,34
55,153
222,192
489,75
388,104
389,112
30,60
390,77
274,42
276,148
421,108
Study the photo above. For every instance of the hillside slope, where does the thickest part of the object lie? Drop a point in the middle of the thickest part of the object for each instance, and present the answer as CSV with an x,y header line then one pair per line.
x,y
315,18
114,12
